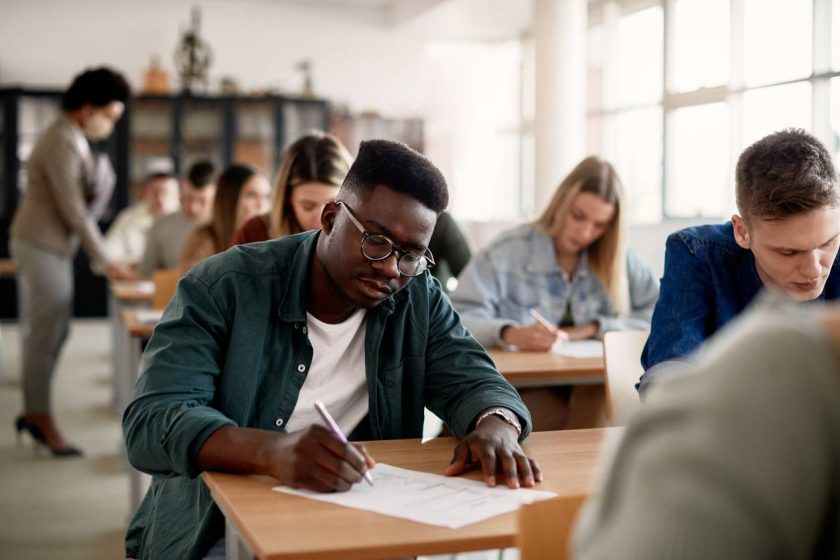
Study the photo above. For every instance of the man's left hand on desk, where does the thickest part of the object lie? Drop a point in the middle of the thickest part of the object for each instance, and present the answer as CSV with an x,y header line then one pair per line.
x,y
493,445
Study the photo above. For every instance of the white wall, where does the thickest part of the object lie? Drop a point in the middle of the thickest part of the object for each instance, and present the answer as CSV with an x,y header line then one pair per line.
x,y
356,58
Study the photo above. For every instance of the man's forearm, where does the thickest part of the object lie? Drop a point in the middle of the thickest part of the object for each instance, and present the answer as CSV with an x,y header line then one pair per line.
x,y
240,450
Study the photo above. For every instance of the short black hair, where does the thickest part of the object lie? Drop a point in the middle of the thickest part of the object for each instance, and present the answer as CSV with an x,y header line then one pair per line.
x,y
97,86
784,174
201,173
398,167
158,175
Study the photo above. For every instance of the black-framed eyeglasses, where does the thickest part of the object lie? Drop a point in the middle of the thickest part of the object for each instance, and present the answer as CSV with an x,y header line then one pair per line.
x,y
377,247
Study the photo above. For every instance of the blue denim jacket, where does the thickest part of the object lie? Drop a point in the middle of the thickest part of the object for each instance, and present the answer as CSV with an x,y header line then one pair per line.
x,y
519,271
708,280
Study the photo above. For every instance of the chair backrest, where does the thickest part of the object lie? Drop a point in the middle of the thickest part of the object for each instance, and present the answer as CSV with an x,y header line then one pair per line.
x,y
622,365
165,280
545,528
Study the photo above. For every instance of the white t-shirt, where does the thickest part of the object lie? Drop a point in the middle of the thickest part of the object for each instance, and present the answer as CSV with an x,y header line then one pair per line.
x,y
336,376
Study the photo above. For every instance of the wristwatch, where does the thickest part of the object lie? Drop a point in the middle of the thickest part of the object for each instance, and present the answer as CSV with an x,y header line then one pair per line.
x,y
504,414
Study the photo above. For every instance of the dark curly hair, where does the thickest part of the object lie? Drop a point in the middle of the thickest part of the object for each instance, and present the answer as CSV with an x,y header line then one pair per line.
x,y
785,173
398,167
97,86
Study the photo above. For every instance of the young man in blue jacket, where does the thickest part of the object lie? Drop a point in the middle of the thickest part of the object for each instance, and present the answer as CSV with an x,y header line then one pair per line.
x,y
786,236
346,315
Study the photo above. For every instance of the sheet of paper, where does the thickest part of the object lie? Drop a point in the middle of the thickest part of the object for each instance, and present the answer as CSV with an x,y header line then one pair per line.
x,y
149,315
427,498
580,349
145,287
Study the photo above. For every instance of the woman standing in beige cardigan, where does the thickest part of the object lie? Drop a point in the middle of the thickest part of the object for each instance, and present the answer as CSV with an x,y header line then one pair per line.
x,y
66,191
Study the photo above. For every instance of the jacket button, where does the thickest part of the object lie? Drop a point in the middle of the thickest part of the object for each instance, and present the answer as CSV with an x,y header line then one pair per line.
x,y
301,368
297,326
303,330
278,422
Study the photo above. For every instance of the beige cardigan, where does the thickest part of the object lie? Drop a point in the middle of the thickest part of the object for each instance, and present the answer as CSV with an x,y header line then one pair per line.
x,y
54,213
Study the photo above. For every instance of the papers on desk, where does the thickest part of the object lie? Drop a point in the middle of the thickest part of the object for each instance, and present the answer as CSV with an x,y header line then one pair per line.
x,y
145,287
427,498
580,349
149,316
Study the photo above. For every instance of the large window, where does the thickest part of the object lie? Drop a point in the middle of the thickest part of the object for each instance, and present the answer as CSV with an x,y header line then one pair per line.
x,y
678,88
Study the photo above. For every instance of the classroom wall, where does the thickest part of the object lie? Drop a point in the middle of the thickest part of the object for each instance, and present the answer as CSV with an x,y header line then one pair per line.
x,y
357,57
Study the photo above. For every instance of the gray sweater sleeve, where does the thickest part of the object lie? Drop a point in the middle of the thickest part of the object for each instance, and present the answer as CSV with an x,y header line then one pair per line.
x,y
737,460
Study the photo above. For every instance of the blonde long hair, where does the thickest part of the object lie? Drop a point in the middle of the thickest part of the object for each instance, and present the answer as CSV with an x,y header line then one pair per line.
x,y
317,157
607,255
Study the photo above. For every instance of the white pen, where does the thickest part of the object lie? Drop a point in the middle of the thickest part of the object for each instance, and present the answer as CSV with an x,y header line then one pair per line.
x,y
335,430
541,320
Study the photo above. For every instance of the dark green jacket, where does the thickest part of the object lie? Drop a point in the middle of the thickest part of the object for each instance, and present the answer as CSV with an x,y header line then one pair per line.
x,y
231,349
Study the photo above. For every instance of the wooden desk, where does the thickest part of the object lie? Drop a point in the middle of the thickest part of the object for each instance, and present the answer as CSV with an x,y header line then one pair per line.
x,y
540,369
277,526
140,291
137,333
134,326
8,267
123,295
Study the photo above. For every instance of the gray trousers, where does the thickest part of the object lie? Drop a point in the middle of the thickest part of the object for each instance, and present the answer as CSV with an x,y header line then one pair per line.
x,y
45,283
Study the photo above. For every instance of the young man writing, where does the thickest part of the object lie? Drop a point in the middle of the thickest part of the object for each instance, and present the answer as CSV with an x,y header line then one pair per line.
x,y
346,315
786,236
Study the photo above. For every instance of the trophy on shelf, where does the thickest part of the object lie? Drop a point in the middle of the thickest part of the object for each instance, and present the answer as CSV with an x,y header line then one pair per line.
x,y
193,56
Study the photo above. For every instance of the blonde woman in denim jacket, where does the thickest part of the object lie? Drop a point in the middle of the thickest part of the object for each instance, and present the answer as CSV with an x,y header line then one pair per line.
x,y
571,267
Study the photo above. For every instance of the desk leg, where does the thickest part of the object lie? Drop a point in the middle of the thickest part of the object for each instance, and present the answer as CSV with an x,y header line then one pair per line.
x,y
138,483
235,547
118,351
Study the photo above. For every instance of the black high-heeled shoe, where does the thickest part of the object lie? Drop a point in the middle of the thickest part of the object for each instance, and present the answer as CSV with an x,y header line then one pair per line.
x,y
22,424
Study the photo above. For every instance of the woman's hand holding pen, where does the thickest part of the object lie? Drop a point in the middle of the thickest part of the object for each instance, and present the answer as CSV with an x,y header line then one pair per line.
x,y
539,336
314,459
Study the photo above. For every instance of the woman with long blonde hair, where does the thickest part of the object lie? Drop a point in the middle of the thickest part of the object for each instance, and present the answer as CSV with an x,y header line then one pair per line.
x,y
313,168
565,276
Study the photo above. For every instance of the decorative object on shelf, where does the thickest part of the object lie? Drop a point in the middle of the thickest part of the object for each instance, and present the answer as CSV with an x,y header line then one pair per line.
x,y
228,86
156,79
193,56
305,66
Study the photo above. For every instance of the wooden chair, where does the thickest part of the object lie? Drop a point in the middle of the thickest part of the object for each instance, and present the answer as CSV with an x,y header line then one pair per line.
x,y
545,528
165,280
622,367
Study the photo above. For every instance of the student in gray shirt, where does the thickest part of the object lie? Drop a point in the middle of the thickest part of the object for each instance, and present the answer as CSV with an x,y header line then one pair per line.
x,y
169,232
738,456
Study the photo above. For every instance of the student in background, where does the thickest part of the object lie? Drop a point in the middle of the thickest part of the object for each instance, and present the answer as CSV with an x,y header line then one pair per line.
x,y
346,314
786,235
737,457
169,233
126,238
569,267
450,248
67,189
312,171
241,193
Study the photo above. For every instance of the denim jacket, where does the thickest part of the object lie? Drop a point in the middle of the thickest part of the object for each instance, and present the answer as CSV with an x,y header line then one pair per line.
x,y
232,350
519,271
708,280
